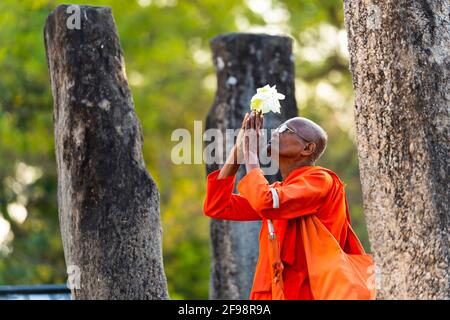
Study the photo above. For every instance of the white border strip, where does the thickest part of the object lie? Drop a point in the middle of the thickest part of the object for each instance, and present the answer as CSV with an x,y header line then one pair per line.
x,y
276,200
271,229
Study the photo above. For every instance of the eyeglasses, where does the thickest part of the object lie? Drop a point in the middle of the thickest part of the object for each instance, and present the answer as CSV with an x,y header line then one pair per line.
x,y
283,127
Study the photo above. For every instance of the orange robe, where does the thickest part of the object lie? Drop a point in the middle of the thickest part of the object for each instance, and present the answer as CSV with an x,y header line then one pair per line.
x,y
307,190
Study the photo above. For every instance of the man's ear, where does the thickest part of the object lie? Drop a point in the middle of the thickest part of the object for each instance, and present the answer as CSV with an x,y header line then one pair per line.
x,y
310,148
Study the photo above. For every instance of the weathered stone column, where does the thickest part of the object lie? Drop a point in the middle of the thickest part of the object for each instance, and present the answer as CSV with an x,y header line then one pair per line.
x,y
244,62
108,203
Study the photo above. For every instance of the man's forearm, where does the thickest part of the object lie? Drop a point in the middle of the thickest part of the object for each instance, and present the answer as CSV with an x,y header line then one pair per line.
x,y
251,161
231,166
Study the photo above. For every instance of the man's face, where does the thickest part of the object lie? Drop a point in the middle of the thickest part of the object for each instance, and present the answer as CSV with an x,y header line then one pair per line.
x,y
289,141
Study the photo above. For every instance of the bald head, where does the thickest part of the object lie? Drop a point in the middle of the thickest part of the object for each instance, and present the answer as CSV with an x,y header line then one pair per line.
x,y
311,132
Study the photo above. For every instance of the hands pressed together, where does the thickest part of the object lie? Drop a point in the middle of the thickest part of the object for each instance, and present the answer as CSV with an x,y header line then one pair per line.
x,y
246,147
248,139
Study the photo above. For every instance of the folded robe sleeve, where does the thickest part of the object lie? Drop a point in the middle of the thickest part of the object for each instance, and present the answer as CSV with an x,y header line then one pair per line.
x,y
222,203
300,195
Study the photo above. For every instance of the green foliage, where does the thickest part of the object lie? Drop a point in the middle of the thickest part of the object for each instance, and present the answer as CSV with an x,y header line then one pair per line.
x,y
172,79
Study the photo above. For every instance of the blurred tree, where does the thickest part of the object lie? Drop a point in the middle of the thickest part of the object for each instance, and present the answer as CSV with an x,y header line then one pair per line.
x,y
244,57
169,67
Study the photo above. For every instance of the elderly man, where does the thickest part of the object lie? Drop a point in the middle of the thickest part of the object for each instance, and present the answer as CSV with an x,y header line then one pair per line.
x,y
305,189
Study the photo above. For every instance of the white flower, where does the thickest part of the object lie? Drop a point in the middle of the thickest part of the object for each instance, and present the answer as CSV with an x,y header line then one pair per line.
x,y
266,100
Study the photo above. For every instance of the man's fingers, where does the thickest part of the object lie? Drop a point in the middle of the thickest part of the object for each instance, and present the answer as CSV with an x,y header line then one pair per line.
x,y
244,121
259,122
246,138
254,120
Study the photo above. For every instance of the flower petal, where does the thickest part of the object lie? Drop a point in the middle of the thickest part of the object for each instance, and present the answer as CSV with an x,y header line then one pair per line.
x,y
267,99
280,96
256,104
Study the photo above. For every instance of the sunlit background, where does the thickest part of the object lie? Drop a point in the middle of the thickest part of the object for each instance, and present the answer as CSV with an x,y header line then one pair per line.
x,y
173,82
